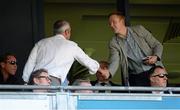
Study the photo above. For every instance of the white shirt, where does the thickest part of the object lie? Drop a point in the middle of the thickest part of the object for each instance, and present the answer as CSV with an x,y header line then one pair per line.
x,y
107,84
57,54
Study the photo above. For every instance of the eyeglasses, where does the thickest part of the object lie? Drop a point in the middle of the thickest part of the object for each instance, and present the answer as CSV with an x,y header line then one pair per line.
x,y
162,75
12,62
46,77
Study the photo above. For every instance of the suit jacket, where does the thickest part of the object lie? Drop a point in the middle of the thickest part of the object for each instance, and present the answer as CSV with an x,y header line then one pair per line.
x,y
118,57
154,92
12,80
93,83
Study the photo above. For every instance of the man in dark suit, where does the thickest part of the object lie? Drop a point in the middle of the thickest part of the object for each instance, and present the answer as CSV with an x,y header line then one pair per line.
x,y
102,81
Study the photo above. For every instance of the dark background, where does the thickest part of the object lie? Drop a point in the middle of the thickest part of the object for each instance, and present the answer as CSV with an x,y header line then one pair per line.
x,y
21,25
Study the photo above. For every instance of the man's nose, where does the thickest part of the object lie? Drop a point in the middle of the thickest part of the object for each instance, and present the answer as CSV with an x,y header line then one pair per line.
x,y
49,81
111,25
165,78
15,65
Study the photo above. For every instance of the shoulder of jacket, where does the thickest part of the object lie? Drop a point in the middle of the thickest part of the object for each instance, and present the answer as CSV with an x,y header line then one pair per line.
x,y
93,82
114,84
136,27
114,38
112,41
139,30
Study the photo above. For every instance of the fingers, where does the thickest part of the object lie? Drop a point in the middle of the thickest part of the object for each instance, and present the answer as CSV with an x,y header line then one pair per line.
x,y
151,60
104,73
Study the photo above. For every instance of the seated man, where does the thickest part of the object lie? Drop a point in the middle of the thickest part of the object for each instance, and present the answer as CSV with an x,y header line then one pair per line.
x,y
40,77
82,82
158,77
101,81
8,68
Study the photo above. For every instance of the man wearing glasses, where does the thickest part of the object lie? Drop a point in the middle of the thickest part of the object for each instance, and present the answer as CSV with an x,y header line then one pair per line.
x,y
40,77
158,77
8,68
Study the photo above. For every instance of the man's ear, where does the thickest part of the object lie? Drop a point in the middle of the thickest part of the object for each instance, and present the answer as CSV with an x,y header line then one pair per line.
x,y
66,31
35,80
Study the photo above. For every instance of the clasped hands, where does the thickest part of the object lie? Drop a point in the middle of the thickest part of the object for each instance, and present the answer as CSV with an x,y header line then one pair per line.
x,y
104,73
149,60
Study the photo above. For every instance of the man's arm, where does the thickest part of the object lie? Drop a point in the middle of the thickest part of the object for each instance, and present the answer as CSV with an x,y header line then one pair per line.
x,y
153,43
84,59
113,58
30,64
155,47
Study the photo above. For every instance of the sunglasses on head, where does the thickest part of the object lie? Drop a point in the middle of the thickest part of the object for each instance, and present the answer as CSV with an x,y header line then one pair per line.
x,y
12,62
162,75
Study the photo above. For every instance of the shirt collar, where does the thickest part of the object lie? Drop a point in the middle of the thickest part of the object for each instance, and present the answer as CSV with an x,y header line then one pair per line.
x,y
128,34
106,83
59,36
157,92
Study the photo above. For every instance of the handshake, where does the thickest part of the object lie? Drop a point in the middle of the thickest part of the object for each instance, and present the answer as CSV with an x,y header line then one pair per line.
x,y
103,72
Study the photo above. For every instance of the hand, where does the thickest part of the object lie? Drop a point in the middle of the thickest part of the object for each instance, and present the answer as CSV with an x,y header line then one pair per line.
x,y
151,60
104,73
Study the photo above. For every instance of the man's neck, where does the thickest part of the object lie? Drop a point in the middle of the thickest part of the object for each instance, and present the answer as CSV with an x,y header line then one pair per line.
x,y
122,32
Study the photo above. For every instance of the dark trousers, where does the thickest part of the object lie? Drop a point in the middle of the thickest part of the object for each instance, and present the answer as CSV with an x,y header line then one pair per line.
x,y
141,79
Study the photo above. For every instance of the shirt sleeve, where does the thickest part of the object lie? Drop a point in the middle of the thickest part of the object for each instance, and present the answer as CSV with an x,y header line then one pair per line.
x,y
153,43
30,64
85,60
113,58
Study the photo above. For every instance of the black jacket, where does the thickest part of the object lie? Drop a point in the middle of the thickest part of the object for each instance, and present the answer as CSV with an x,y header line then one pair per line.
x,y
12,80
110,83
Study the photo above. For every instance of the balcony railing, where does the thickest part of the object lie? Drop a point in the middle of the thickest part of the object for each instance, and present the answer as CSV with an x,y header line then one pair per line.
x,y
132,98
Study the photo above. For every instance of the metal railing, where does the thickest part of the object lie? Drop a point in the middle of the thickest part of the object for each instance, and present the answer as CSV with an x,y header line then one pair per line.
x,y
59,100
66,88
